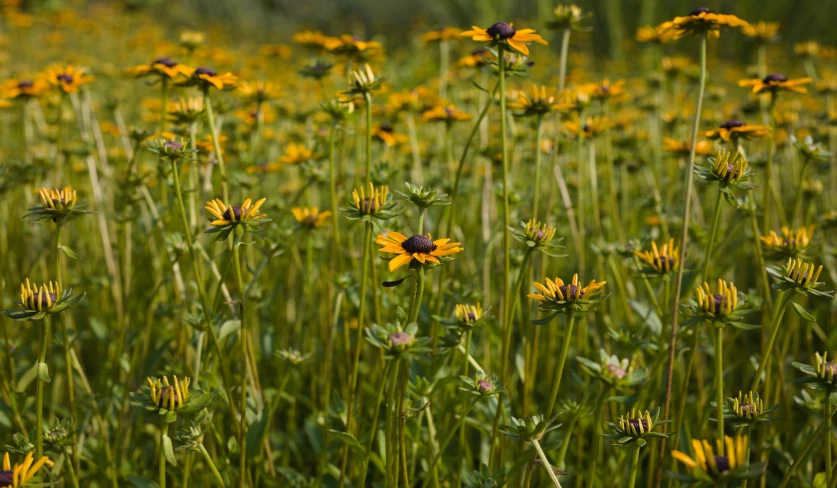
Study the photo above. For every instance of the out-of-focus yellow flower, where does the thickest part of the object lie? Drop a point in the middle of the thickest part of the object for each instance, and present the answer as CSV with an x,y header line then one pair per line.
x,y
776,82
18,475
701,21
67,78
763,32
683,148
443,34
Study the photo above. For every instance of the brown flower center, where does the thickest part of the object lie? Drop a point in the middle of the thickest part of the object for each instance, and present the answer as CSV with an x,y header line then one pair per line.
x,y
700,10
64,78
233,213
418,244
166,61
775,77
501,30
206,71
732,124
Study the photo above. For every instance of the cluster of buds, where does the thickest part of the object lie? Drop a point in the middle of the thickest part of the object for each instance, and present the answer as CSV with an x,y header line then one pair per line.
x,y
371,202
635,427
746,409
791,244
798,275
168,396
662,260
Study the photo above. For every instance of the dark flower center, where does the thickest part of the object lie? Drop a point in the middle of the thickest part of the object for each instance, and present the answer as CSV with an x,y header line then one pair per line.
x,y
206,71
167,62
501,30
400,338
718,302
52,298
586,128
748,409
387,128
6,478
233,213
370,204
731,171
639,424
166,393
485,386
722,463
65,78
173,145
571,292
700,10
830,368
775,77
665,262
419,244
732,124
26,84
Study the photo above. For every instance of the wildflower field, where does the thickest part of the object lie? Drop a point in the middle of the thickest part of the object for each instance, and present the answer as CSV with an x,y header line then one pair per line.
x,y
571,250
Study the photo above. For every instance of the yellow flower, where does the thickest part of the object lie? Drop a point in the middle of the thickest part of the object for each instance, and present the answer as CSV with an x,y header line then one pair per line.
x,y
791,241
591,127
477,59
421,248
604,90
724,302
762,31
206,77
20,474
161,67
706,463
372,202
443,34
542,101
168,396
39,299
701,21
774,83
310,217
503,33
808,49
64,199
558,291
735,129
280,51
655,35
468,314
311,39
257,92
23,88
297,153
386,134
448,114
661,260
67,78
683,148
231,215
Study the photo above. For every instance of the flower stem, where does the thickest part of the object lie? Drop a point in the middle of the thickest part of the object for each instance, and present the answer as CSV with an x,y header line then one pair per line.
x,y
216,146
546,464
70,469
562,70
373,436
368,160
768,187
456,426
164,430
765,356
43,340
211,464
242,338
797,199
719,383
597,424
808,445
707,258
562,359
684,236
71,395
507,297
538,158
332,188
828,436
634,466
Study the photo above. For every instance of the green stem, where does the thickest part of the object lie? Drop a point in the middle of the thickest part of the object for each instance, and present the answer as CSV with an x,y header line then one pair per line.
x,y
562,359
768,187
242,339
562,70
211,464
432,468
210,119
719,384
546,464
507,297
332,188
164,430
797,199
828,436
538,158
70,469
368,162
808,445
43,340
707,258
594,453
634,466
765,355
373,435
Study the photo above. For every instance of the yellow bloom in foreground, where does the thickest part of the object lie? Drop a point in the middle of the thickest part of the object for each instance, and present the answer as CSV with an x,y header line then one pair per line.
x,y
58,199
310,217
705,462
229,214
775,83
558,291
503,33
20,474
701,21
67,78
421,248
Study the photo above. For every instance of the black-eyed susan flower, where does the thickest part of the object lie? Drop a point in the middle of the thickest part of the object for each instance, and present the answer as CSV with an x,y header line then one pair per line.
x,y
23,88
557,297
191,40
311,39
683,148
538,236
442,34
654,35
763,32
725,306
613,371
67,78
364,81
421,248
604,90
36,302
161,68
747,409
354,48
371,202
206,78
701,21
445,113
798,275
166,398
591,127
174,149
660,260
821,376
542,101
386,134
776,82
735,130
257,92
21,474
807,49
706,467
503,34
730,172
478,58
792,243
58,204
636,426
226,218
465,317
295,153
568,17
185,111
310,218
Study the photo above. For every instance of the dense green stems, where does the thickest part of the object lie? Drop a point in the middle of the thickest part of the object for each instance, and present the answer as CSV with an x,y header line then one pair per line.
x,y
538,158
807,447
707,258
765,356
444,66
367,238
570,426
392,393
562,360
719,383
43,340
546,465
828,435
579,147
797,199
507,297
164,103
332,190
684,236
368,159
164,430
418,292
216,146
373,435
404,380
242,339
562,70
505,359
444,445
684,387
768,178
71,390
634,466
765,281
208,459
594,452
71,470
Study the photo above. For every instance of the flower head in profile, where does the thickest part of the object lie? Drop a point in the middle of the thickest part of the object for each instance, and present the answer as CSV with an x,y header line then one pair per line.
x,y
540,102
684,148
398,340
799,276
445,113
724,306
776,82
747,409
371,202
168,398
792,243
591,127
186,111
314,40
161,68
660,260
505,35
56,204
705,467
354,48
730,172
36,302
173,149
297,154
807,49
735,130
557,297
191,40
539,236
206,78
465,317
419,248
604,90
810,151
23,88
226,218
257,92
821,376
478,58
481,385
316,69
20,474
310,218
701,21
386,134
568,17
636,426
763,32
442,34
363,82
67,78
654,35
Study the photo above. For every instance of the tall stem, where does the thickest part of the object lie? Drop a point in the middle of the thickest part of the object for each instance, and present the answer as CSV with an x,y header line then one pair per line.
x,y
216,146
538,158
164,430
765,356
43,340
447,440
546,464
208,459
594,453
634,466
797,199
562,360
828,436
707,258
719,383
768,187
684,236
242,339
70,468
562,70
507,297
807,447
368,160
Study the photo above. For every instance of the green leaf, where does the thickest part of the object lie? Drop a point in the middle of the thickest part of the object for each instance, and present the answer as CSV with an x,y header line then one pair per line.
x,y
803,314
347,439
68,252
641,442
43,372
229,327
168,450
141,481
